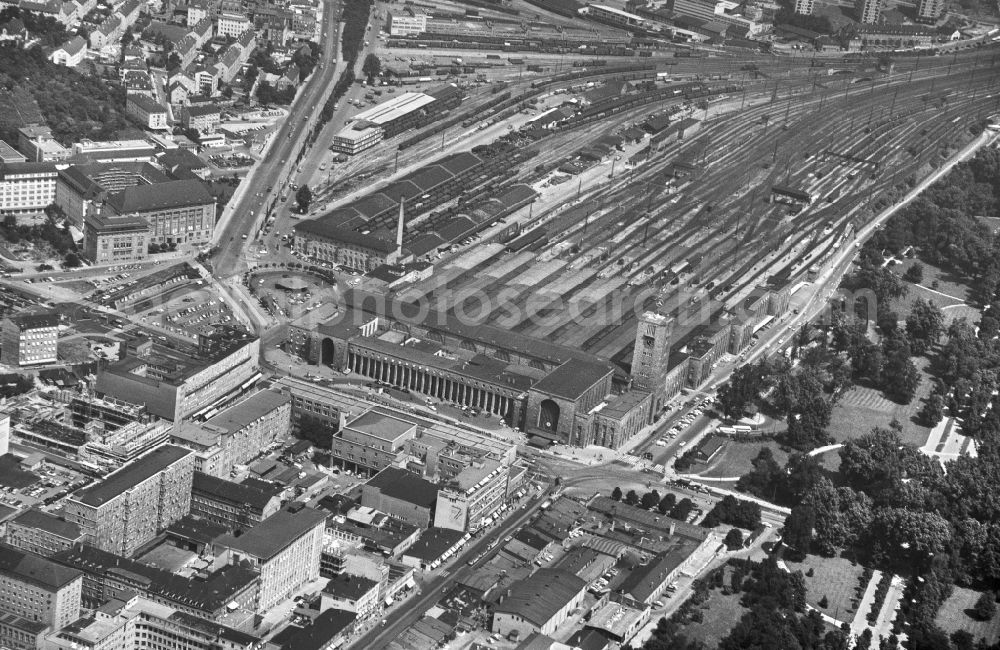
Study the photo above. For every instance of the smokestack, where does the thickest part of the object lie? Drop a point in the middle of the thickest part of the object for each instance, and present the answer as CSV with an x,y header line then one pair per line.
x,y
399,228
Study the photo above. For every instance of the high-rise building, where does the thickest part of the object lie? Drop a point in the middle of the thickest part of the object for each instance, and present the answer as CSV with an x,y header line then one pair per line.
x,y
37,589
30,339
929,10
651,355
4,434
131,506
868,11
804,7
470,500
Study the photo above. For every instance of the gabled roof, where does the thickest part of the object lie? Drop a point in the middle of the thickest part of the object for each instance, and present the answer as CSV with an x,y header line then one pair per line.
x,y
273,535
73,46
161,196
540,596
572,378
35,569
49,523
237,493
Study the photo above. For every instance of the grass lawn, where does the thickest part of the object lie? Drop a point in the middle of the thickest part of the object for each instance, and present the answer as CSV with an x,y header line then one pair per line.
x,y
79,286
735,459
834,578
720,613
952,616
862,408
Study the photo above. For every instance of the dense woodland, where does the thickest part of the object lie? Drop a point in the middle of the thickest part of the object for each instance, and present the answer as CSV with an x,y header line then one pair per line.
x,y
74,106
890,506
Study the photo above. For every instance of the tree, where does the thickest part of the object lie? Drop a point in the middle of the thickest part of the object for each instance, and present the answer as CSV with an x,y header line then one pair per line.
x,y
372,66
933,410
72,260
667,502
986,606
924,325
734,539
915,273
737,396
616,494
824,602
631,498
682,509
303,197
9,222
650,500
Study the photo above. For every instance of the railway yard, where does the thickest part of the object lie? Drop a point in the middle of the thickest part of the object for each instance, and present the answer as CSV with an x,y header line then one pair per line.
x,y
683,225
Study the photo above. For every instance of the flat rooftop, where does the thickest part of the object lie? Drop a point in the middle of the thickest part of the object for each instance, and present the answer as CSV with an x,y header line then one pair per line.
x,y
276,533
381,425
131,475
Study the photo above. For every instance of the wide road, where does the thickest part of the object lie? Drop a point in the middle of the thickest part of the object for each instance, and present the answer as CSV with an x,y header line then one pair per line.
x,y
264,183
435,588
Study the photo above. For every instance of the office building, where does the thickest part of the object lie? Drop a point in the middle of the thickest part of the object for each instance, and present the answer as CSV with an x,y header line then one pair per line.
x,y
469,500
41,533
235,506
401,494
285,548
115,239
115,151
29,339
868,11
356,137
130,507
82,189
237,434
27,187
4,434
38,145
9,154
804,7
37,589
174,385
179,212
406,22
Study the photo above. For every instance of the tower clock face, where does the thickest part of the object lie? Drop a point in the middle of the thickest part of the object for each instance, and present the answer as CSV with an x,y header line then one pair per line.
x,y
648,341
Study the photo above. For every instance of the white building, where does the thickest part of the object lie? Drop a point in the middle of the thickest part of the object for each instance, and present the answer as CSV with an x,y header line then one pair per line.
x,y
469,500
147,110
70,53
27,187
407,23
232,24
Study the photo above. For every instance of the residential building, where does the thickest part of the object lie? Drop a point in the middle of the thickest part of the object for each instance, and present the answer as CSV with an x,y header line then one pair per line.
x,y
285,548
29,339
239,433
204,117
868,11
178,386
27,187
402,494
539,603
150,113
41,533
36,142
113,239
179,212
929,11
37,589
130,507
70,53
232,24
233,505
804,7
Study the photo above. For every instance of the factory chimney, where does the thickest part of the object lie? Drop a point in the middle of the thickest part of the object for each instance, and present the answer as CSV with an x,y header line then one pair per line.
x,y
399,228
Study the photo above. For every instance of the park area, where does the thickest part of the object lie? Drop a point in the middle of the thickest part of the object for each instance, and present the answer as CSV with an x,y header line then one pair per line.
x,y
836,578
955,615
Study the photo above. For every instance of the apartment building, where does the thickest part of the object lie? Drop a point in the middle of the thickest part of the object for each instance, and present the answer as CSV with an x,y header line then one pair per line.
x,y
29,339
285,548
804,7
239,433
130,507
929,11
27,187
868,11
71,53
37,589
151,113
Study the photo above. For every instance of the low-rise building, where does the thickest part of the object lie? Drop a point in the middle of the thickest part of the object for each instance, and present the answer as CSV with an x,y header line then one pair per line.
x,y
539,603
203,117
38,145
70,53
29,339
350,593
402,494
149,112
